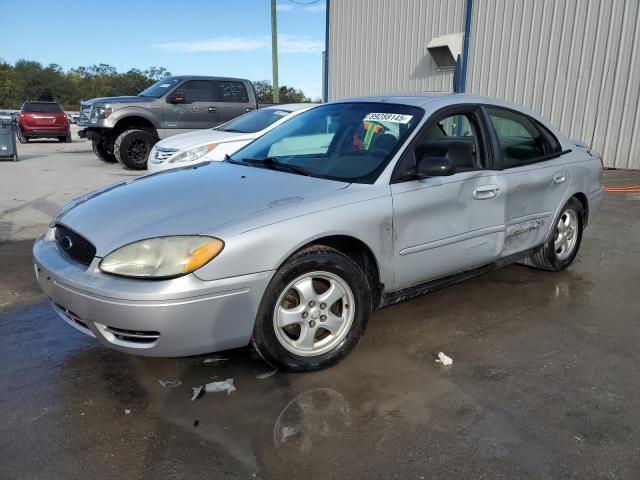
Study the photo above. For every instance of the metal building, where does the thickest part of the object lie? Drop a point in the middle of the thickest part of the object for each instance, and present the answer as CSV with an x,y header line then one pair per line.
x,y
576,62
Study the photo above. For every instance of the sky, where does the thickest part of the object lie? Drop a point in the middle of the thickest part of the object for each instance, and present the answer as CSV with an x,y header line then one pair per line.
x,y
198,37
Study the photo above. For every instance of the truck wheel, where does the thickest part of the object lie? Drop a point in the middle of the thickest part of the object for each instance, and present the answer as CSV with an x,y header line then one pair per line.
x,y
313,312
102,152
561,249
132,148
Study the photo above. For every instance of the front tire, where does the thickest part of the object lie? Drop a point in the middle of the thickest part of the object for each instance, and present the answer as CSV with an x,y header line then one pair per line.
x,y
313,312
561,249
101,150
132,148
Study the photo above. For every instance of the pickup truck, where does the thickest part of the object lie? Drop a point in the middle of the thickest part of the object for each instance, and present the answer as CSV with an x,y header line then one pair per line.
x,y
124,129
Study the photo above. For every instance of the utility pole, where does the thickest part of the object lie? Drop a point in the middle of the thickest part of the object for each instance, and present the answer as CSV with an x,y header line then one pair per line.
x,y
274,52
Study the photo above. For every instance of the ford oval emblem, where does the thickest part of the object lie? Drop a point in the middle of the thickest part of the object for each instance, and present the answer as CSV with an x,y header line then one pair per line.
x,y
67,243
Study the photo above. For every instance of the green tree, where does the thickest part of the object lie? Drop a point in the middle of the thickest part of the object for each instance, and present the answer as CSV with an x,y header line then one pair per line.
x,y
287,94
28,80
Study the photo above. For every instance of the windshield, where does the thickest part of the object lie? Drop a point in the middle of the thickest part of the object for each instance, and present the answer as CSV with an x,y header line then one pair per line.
x,y
34,107
351,142
254,121
159,88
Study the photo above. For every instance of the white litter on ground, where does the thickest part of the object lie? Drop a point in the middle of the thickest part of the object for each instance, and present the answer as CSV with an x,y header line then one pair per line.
x,y
226,385
262,376
443,359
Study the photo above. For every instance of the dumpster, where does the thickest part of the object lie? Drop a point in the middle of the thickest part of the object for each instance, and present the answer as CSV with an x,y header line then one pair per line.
x,y
7,140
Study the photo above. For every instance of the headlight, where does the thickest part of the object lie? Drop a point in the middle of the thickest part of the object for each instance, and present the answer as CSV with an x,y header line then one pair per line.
x,y
193,154
101,112
162,257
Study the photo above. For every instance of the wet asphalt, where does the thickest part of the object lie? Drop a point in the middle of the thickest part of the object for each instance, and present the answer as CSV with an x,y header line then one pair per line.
x,y
544,385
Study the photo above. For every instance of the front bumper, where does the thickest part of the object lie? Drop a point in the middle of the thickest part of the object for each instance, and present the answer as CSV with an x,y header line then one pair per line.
x,y
160,318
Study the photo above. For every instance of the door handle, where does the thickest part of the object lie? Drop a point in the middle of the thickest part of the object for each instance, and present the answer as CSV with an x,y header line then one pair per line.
x,y
560,177
485,192
212,109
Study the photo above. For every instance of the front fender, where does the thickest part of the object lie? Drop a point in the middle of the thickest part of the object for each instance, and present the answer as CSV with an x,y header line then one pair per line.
x,y
268,247
153,116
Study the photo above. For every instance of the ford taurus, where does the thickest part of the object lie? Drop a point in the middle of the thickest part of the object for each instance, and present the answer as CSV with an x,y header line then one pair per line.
x,y
292,241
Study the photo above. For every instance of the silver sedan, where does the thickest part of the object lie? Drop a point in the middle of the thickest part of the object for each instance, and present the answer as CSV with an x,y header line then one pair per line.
x,y
292,241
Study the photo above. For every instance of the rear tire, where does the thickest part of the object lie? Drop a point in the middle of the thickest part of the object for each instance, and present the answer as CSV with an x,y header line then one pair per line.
x,y
21,137
132,148
561,249
68,139
101,150
293,311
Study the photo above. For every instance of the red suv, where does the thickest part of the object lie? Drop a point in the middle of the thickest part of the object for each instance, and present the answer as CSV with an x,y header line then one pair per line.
x,y
43,120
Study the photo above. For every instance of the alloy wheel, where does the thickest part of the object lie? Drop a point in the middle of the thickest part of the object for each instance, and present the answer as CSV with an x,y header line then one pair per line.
x,y
137,150
566,234
314,313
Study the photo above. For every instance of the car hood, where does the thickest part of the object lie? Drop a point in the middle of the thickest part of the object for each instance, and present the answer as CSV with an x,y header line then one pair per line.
x,y
116,100
200,137
217,198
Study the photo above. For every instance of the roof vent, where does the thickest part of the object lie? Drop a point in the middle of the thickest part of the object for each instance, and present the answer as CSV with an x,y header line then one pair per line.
x,y
445,50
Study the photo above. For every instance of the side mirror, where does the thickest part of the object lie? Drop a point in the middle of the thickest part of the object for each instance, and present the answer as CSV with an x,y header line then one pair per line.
x,y
435,167
176,97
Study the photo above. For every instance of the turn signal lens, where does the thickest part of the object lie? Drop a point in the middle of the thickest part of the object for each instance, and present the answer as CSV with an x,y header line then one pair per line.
x,y
203,254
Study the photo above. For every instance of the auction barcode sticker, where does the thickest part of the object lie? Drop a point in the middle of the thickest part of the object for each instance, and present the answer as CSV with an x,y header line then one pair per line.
x,y
388,117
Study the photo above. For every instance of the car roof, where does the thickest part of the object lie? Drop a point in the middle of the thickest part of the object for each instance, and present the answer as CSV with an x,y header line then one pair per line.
x,y
441,99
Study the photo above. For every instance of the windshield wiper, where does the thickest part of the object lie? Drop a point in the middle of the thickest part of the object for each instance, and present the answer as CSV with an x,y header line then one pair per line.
x,y
271,162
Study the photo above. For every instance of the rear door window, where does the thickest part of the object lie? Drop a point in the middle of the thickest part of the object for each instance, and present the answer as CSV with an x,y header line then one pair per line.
x,y
521,140
233,92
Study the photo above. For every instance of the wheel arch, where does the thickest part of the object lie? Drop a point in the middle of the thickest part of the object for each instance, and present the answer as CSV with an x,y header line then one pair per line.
x,y
582,198
135,121
356,250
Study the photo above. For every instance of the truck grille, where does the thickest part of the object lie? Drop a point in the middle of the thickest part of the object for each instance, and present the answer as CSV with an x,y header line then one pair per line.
x,y
74,245
84,115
